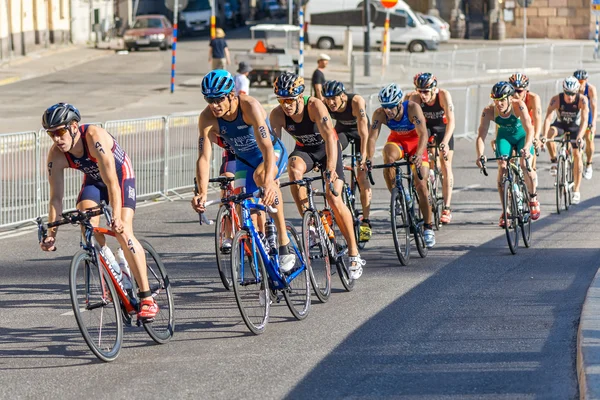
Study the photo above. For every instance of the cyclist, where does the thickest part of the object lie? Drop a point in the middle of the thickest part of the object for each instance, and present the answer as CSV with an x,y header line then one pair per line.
x,y
408,137
589,91
570,106
241,122
438,110
533,103
108,176
351,120
306,119
513,129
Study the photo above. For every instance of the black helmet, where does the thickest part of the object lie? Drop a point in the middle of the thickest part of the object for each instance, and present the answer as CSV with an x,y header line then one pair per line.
x,y
502,90
581,74
288,85
425,81
60,114
333,88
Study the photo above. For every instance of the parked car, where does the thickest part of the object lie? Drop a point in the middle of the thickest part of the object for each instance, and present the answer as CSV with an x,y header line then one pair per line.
x,y
440,26
149,31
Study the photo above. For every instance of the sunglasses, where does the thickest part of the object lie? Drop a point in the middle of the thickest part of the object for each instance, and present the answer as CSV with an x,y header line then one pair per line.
x,y
519,90
60,132
570,93
389,106
215,100
424,90
287,100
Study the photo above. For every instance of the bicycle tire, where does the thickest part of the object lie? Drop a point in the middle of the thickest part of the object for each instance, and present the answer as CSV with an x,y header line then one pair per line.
x,y
525,216
106,338
439,194
434,205
560,183
568,181
511,225
320,267
244,274
162,326
418,228
342,261
349,201
400,226
223,259
297,294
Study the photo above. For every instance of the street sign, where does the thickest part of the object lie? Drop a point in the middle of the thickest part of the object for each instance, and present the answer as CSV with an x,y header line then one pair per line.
x,y
525,3
389,3
170,4
596,7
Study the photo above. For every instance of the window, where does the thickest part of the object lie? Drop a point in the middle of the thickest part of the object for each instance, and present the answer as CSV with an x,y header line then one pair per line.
x,y
143,23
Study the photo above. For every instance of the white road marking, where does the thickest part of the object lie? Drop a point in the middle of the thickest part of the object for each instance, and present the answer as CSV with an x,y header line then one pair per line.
x,y
466,188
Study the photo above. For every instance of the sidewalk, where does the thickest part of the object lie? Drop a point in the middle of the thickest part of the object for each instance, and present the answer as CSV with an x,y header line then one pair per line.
x,y
45,62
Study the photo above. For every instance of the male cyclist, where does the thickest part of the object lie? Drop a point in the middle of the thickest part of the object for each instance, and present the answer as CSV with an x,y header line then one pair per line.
x,y
533,103
438,110
306,119
408,137
513,130
241,122
108,176
351,121
571,107
589,91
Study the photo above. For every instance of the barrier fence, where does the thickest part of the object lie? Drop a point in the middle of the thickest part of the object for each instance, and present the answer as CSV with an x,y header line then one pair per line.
x,y
164,151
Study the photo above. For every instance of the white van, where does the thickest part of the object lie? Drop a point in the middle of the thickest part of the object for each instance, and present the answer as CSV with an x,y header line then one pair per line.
x,y
195,17
416,36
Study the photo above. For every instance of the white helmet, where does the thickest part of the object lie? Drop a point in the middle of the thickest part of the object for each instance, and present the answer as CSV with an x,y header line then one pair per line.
x,y
571,85
390,95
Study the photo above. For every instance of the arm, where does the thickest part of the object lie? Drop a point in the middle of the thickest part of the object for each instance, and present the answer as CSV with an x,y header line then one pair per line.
x,y
205,128
359,110
378,119
536,107
522,113
484,126
593,106
415,114
583,106
448,106
277,120
56,164
549,114
319,114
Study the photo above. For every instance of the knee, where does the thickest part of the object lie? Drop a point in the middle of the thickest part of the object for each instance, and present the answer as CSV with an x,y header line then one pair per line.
x,y
295,170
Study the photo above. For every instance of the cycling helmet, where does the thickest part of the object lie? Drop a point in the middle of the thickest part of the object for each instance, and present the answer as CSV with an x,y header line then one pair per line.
x,y
571,85
60,114
519,80
502,90
333,88
217,83
581,74
288,85
425,81
390,95
417,75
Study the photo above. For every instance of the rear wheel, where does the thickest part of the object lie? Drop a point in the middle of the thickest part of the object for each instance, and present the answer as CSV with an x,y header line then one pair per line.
x,y
560,184
400,226
568,182
297,294
511,226
525,219
341,248
250,283
223,224
418,227
96,307
315,250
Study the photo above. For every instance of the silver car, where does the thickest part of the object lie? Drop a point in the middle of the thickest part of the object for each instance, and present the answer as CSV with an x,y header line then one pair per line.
x,y
440,26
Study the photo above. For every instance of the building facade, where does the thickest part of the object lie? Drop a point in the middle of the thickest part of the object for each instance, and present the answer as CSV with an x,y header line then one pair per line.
x,y
485,19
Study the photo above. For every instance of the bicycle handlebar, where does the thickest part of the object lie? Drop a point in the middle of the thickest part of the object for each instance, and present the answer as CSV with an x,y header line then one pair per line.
x,y
302,182
483,160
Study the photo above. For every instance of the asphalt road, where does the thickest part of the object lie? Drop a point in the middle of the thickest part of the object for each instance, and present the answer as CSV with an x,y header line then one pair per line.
x,y
470,321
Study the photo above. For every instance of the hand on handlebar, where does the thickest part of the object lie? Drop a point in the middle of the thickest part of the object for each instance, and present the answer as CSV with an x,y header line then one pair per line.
x,y
117,225
198,203
417,161
47,244
269,194
481,161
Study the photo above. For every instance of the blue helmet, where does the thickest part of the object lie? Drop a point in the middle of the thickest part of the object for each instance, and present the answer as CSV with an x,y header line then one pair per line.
x,y
217,83
391,94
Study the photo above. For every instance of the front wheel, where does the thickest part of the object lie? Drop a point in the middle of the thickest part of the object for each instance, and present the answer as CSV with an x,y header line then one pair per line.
x,y
297,294
417,226
96,307
525,217
315,250
341,249
560,184
223,234
400,226
511,219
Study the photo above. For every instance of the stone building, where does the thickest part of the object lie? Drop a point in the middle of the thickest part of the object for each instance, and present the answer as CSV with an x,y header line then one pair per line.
x,y
485,19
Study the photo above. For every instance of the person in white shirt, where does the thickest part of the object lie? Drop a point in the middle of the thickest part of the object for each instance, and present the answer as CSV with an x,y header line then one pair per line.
x,y
242,83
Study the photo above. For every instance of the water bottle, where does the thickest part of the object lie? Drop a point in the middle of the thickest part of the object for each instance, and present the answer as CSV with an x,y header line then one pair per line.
x,y
432,176
120,257
113,265
271,234
408,198
519,196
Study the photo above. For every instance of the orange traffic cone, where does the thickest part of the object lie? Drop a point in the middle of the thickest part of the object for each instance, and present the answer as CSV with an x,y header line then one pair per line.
x,y
260,47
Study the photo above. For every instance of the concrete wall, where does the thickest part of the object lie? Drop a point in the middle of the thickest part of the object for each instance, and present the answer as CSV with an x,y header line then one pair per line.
x,y
81,24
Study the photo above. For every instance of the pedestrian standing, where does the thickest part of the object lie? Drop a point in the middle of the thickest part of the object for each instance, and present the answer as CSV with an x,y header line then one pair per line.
x,y
318,77
218,53
242,83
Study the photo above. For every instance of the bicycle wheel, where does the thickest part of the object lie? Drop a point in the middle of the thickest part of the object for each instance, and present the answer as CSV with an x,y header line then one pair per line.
x,y
96,308
525,216
250,283
223,221
400,226
162,326
297,294
435,210
568,182
349,202
511,226
439,195
560,184
342,258
315,250
418,229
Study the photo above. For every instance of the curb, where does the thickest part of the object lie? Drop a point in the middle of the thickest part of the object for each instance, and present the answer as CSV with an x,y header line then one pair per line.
x,y
588,341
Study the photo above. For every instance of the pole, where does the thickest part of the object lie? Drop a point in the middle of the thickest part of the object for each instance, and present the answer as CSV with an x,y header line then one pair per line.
x,y
290,12
596,43
301,46
213,19
525,23
367,44
386,43
174,47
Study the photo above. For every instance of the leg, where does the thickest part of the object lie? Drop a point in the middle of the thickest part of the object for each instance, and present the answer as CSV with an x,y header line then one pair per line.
x,y
279,217
577,168
552,133
423,192
448,182
589,151
391,153
133,251
343,217
85,204
365,192
297,167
